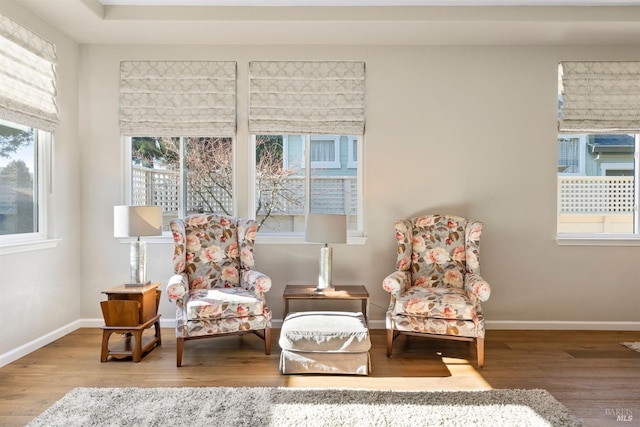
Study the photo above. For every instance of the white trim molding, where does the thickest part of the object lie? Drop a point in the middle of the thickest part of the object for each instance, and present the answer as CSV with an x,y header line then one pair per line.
x,y
559,325
23,350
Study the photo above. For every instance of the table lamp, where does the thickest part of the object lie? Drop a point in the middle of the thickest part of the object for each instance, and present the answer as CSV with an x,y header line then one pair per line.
x,y
137,221
325,228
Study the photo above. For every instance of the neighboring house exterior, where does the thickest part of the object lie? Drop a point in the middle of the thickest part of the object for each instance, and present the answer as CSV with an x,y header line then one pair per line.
x,y
596,155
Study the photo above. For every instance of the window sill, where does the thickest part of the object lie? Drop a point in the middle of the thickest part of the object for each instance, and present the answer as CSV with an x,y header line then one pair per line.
x,y
600,240
27,246
269,239
165,238
274,239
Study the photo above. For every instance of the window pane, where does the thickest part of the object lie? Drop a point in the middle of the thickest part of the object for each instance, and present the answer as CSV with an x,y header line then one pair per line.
x,y
599,194
18,179
285,189
334,191
155,175
209,165
280,183
323,151
354,150
183,175
568,151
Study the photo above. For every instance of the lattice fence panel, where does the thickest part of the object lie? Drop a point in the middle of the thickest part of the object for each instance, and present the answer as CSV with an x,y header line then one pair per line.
x,y
328,195
596,195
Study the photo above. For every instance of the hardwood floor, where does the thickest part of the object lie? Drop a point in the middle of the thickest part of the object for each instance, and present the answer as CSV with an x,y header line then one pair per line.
x,y
589,372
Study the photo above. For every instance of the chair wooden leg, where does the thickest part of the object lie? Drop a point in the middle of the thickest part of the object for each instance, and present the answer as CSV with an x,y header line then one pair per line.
x,y
480,350
389,342
267,341
179,348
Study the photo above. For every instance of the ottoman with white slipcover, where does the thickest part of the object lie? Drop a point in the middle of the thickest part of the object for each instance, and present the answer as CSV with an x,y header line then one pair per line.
x,y
325,342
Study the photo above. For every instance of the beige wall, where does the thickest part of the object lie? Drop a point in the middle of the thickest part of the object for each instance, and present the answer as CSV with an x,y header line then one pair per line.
x,y
467,130
463,130
40,289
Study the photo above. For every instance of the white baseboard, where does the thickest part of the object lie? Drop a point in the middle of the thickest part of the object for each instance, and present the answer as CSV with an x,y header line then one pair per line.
x,y
99,322
557,325
23,350
31,346
525,325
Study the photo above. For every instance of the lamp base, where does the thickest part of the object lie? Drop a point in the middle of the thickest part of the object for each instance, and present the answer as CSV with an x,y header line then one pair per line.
x,y
324,273
138,263
137,285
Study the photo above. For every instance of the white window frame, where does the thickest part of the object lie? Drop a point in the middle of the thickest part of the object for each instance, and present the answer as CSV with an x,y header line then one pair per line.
x,y
352,148
356,237
23,242
605,167
336,148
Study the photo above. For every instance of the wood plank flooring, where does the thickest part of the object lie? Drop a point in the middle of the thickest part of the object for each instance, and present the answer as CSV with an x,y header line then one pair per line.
x,y
588,371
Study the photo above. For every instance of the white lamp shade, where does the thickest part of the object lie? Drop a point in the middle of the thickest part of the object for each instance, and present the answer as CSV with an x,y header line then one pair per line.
x,y
326,228
136,221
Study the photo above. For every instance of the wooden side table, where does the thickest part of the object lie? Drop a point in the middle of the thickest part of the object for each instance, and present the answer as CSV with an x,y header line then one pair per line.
x,y
130,311
353,292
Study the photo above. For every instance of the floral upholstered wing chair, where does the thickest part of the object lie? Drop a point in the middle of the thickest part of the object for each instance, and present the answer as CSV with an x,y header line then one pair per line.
x,y
437,289
215,289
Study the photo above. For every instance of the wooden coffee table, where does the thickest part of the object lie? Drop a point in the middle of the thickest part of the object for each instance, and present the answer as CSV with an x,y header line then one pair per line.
x,y
306,292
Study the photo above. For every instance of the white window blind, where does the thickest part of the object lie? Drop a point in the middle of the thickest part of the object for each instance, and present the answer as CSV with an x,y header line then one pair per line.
x,y
600,97
306,97
27,77
178,98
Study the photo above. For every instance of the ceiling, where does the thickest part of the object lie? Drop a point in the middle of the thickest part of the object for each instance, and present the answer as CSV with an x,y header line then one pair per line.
x,y
357,22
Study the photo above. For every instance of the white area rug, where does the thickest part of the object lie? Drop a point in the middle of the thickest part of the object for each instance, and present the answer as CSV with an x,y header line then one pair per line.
x,y
632,345
253,407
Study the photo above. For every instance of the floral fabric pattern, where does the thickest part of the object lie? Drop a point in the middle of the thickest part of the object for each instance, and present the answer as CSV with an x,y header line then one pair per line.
x,y
443,303
437,287
223,302
214,287
429,325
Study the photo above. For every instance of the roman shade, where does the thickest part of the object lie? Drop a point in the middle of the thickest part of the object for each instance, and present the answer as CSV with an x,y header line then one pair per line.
x,y
600,97
27,77
306,97
178,98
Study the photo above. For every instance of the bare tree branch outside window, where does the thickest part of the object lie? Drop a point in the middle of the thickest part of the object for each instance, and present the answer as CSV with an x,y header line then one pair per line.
x,y
209,167
276,192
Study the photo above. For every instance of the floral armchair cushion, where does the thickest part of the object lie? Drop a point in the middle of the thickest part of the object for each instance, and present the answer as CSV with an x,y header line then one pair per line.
x,y
219,303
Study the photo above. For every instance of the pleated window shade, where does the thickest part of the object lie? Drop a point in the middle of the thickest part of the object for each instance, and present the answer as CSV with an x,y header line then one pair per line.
x,y
27,77
288,97
600,97
178,98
